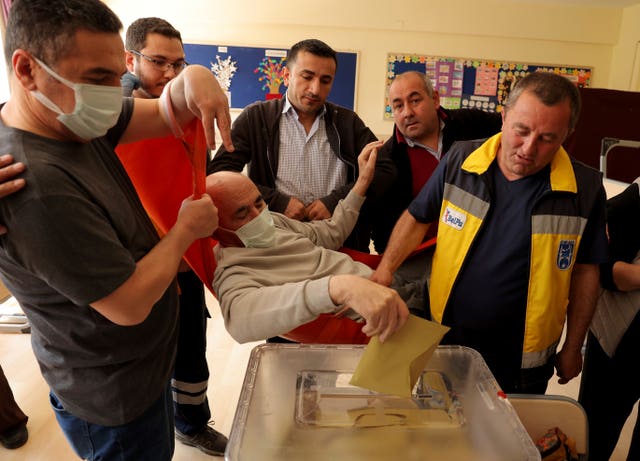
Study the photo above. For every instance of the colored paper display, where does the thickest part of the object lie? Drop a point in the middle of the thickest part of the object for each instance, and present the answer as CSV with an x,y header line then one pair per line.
x,y
250,74
473,83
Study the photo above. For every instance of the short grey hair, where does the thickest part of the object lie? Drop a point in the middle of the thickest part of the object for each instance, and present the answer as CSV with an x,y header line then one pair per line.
x,y
428,85
550,89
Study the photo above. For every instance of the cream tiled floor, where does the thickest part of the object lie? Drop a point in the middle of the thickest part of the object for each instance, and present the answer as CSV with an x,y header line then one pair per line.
x,y
227,362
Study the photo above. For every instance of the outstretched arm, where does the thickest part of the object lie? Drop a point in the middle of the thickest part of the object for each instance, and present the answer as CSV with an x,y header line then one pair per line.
x,y
367,168
132,301
252,313
381,307
195,92
406,236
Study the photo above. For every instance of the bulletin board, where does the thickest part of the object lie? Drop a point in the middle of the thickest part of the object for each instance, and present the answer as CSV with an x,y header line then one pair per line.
x,y
250,74
473,83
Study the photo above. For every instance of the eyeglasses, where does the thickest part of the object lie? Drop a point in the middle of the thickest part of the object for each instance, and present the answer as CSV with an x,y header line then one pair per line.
x,y
163,64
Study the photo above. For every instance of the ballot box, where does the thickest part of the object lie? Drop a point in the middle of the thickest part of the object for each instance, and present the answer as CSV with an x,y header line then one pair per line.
x,y
296,403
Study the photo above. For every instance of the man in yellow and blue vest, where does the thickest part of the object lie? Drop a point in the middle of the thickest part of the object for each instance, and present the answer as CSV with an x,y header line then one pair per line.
x,y
521,233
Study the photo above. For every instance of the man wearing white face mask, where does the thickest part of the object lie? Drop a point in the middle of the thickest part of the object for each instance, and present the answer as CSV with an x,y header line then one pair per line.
x,y
81,256
275,273
97,107
260,232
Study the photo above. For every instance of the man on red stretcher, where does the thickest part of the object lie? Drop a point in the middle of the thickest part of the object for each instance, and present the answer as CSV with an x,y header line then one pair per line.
x,y
274,273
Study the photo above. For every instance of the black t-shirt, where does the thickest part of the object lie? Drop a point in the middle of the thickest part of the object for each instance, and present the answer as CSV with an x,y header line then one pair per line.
x,y
487,306
75,234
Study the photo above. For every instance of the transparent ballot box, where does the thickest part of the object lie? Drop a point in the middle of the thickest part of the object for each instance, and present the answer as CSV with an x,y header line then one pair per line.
x,y
326,399
297,404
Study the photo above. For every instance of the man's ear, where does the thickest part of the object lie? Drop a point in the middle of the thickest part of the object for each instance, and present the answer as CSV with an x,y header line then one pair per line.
x,y
23,66
129,59
436,99
285,75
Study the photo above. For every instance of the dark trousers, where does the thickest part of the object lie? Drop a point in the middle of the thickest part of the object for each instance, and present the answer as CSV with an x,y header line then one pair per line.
x,y
532,380
11,416
191,374
515,380
609,388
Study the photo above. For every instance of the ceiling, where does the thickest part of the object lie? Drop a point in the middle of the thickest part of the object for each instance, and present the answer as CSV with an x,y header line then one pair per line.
x,y
596,3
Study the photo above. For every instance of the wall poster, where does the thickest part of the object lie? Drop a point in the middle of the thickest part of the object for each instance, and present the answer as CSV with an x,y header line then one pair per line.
x,y
473,83
250,74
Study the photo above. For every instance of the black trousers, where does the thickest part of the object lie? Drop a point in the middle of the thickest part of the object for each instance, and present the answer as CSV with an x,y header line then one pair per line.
x,y
11,416
609,388
191,373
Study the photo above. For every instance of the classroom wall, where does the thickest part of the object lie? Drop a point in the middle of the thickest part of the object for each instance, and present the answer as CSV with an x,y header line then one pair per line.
x,y
488,29
625,61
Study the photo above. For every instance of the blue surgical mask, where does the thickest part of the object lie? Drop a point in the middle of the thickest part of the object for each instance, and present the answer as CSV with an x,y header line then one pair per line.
x,y
260,232
97,106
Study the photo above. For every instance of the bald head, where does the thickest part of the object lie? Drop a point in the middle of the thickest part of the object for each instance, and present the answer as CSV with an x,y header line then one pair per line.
x,y
237,198
218,184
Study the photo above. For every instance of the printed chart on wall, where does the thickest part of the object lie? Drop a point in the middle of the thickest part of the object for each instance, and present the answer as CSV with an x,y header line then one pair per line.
x,y
473,83
250,74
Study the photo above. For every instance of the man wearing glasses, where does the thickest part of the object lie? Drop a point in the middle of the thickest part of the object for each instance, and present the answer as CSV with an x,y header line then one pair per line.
x,y
154,56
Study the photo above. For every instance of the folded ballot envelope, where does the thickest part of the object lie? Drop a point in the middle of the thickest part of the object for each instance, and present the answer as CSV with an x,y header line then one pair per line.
x,y
393,367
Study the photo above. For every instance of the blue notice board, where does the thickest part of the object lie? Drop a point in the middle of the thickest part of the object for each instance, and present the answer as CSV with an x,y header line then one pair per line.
x,y
252,74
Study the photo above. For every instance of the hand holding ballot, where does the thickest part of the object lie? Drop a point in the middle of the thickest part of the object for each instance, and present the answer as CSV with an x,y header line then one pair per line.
x,y
395,366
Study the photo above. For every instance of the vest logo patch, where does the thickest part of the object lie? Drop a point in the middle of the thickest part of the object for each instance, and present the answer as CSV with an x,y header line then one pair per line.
x,y
454,218
565,254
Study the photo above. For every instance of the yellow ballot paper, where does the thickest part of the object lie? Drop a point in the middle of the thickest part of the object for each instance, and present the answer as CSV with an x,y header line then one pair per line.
x,y
393,367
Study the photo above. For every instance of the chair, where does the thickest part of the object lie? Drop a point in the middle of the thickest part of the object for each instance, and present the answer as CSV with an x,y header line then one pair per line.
x,y
609,143
539,413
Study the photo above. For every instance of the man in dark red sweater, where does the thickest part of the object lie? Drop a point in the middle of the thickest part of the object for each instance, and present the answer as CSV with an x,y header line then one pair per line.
x,y
423,133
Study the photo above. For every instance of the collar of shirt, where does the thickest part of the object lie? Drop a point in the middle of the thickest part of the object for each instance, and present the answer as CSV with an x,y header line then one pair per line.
x,y
413,143
291,114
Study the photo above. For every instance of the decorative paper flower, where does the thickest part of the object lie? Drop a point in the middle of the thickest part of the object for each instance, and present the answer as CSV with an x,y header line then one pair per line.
x,y
272,70
224,70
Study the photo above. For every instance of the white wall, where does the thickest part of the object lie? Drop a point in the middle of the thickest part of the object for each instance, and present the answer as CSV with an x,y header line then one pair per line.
x,y
625,63
488,29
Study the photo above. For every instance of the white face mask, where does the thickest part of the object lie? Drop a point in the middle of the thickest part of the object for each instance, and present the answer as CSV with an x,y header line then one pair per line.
x,y
260,232
97,106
